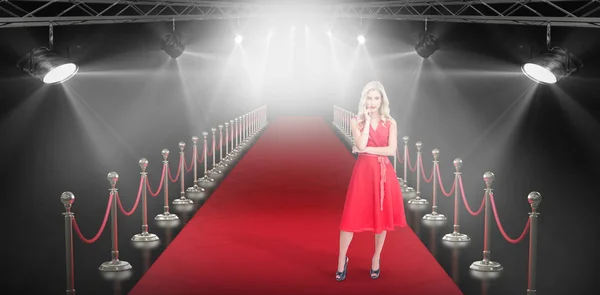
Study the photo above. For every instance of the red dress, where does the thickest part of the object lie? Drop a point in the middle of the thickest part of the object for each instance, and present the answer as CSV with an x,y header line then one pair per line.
x,y
374,198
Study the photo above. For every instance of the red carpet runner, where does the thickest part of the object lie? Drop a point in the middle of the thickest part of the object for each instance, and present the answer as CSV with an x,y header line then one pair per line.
x,y
272,228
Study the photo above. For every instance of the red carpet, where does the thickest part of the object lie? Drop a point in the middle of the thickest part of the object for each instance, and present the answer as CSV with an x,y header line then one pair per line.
x,y
272,227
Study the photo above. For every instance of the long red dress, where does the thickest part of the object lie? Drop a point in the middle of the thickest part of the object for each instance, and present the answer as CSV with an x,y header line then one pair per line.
x,y
374,198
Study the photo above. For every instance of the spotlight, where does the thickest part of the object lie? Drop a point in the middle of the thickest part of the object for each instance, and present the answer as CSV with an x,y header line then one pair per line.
x,y
238,39
428,44
551,66
47,66
360,39
172,45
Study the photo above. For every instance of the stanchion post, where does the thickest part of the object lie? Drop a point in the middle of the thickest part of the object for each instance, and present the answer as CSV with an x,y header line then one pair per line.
x,y
213,147
144,236
350,135
195,188
227,141
434,215
404,182
205,134
214,172
242,138
342,118
242,130
247,121
206,180
245,127
232,139
246,116
166,215
486,265
237,135
195,159
534,199
344,115
115,264
251,123
456,236
182,199
418,200
67,198
222,159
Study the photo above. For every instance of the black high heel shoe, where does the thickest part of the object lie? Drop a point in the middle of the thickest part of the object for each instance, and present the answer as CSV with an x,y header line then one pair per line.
x,y
375,273
342,275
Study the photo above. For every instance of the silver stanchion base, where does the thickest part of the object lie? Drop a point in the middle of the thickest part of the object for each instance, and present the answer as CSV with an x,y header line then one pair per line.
x,y
115,265
434,217
418,201
196,195
220,169
456,237
409,193
166,216
145,237
529,292
214,173
195,189
72,292
486,265
206,182
182,201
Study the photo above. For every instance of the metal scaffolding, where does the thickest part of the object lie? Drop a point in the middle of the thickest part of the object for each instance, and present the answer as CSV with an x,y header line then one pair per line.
x,y
515,12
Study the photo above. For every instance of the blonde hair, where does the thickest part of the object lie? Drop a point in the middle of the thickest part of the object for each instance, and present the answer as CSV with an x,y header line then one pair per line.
x,y
384,109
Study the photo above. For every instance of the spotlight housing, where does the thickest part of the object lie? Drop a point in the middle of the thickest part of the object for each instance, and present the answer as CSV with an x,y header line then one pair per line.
x,y
428,44
48,66
238,39
172,45
552,66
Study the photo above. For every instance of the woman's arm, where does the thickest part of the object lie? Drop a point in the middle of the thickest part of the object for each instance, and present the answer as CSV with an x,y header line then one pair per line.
x,y
360,139
389,150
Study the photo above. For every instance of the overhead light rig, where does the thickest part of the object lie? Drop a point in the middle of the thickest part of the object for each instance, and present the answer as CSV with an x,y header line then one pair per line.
x,y
517,12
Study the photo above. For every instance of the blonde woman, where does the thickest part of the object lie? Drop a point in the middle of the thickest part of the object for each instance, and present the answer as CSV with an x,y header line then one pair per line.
x,y
374,199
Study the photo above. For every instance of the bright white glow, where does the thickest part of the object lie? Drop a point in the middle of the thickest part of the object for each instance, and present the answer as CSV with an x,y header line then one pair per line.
x,y
538,73
61,73
361,39
238,39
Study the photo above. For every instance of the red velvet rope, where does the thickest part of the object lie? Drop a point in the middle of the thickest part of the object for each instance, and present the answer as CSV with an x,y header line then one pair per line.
x,y
162,180
95,238
509,239
439,177
137,200
462,191
408,162
178,172
423,171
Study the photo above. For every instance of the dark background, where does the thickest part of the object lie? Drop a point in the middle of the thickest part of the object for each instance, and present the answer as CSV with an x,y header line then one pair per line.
x,y
469,100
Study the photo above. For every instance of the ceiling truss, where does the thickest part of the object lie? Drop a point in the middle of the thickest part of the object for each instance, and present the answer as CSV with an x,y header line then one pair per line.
x,y
516,12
